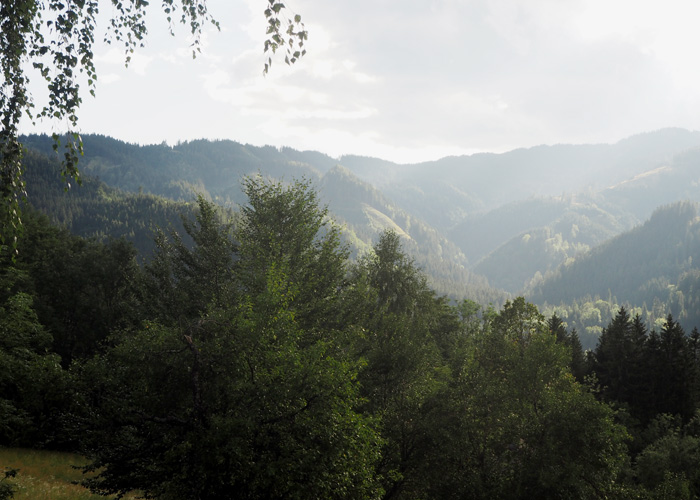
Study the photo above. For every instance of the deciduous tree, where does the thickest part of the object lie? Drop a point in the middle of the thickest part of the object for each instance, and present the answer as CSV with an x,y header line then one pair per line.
x,y
57,38
286,227
237,399
518,425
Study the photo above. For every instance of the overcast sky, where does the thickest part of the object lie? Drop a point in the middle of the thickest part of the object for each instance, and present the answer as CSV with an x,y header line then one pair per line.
x,y
411,80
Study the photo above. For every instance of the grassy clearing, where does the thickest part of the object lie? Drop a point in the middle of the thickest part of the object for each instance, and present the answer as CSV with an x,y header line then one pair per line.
x,y
45,475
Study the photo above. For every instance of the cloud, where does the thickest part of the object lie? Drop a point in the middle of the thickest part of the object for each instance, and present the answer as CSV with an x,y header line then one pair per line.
x,y
413,78
113,56
109,78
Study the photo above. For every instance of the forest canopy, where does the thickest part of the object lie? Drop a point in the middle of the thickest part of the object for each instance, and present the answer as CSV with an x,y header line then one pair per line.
x,y
250,358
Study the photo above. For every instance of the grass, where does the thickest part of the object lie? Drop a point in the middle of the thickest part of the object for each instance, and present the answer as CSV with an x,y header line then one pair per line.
x,y
45,475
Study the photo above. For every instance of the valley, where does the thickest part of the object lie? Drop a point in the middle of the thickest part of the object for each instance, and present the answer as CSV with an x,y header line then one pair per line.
x,y
484,227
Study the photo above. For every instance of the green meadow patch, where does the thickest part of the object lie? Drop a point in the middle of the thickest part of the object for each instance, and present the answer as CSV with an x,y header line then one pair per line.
x,y
45,475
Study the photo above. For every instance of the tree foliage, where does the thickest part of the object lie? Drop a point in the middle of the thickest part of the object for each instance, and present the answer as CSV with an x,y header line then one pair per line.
x,y
400,316
517,424
190,273
32,384
286,227
250,359
234,399
57,38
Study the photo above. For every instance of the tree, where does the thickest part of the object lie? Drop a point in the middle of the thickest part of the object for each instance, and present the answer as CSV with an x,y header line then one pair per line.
x,y
668,465
578,362
193,271
57,39
519,321
236,399
285,227
232,406
32,384
617,361
82,289
670,371
558,328
517,425
579,367
402,320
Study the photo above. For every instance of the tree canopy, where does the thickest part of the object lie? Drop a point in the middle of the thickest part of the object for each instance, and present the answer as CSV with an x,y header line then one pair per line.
x,y
250,358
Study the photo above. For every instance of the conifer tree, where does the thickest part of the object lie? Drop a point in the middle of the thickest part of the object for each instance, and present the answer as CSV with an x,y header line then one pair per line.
x,y
617,360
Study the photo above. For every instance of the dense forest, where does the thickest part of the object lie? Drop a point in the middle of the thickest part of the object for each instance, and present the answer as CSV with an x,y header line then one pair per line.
x,y
217,320
198,324
654,267
118,172
485,227
250,357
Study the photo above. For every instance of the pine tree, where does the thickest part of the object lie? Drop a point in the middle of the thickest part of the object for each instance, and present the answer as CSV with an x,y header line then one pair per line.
x,y
620,365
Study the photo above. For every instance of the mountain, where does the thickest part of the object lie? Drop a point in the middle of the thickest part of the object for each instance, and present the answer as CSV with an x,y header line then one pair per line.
x,y
483,182
677,179
471,222
213,168
481,233
549,232
660,249
654,268
364,212
145,177
95,210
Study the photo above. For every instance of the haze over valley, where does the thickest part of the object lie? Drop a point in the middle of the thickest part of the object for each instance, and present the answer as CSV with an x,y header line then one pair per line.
x,y
484,227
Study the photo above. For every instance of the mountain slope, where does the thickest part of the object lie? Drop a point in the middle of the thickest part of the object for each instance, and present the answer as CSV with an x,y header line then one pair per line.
x,y
677,179
656,266
552,231
95,210
365,212
513,217
486,181
215,169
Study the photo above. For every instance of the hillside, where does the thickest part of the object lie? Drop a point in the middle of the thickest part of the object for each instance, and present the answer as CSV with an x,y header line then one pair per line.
x,y
471,223
654,267
97,210
483,182
364,212
574,227
214,168
677,179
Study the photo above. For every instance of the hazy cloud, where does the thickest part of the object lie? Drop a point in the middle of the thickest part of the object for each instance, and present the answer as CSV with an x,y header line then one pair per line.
x,y
415,79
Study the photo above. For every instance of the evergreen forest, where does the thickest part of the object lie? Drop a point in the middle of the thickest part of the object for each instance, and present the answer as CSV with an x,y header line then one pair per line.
x,y
213,320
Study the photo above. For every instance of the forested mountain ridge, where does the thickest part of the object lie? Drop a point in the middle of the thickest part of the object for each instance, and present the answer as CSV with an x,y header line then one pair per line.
x,y
96,210
654,269
257,360
485,181
578,217
215,170
512,218
669,242
364,212
566,228
451,194
675,180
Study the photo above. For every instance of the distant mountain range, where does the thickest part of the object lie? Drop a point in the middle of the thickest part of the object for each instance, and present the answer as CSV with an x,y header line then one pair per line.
x,y
482,226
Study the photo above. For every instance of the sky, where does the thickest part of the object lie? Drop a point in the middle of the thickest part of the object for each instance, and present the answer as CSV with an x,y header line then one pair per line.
x,y
407,81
